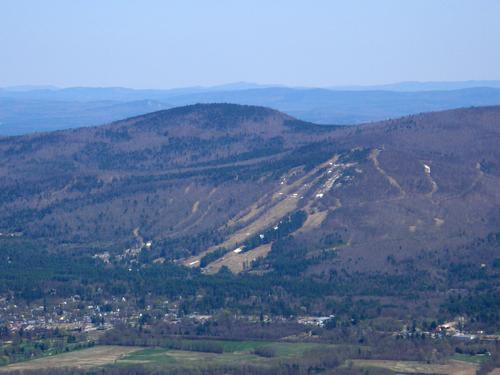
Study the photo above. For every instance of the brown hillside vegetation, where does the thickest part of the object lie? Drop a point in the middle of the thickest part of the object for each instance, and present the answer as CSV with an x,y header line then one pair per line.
x,y
197,178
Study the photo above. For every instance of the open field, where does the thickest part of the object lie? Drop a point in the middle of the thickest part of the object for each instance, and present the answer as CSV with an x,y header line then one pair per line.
x,y
181,358
236,262
85,358
413,367
477,359
234,353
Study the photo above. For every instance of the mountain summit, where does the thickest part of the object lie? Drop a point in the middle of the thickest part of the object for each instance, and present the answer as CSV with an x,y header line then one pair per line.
x,y
198,179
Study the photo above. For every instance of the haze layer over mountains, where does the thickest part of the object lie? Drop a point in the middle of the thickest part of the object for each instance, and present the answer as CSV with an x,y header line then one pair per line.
x,y
34,109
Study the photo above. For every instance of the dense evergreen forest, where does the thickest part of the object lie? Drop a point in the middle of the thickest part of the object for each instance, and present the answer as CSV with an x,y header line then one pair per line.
x,y
30,273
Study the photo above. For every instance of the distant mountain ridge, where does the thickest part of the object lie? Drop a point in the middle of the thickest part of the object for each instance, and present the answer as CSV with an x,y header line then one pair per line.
x,y
24,116
424,86
25,110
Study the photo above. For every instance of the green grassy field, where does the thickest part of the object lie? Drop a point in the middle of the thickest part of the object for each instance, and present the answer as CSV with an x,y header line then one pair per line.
x,y
231,353
234,353
478,359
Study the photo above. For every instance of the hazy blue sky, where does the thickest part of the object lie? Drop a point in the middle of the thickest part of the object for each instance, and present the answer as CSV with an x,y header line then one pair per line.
x,y
162,44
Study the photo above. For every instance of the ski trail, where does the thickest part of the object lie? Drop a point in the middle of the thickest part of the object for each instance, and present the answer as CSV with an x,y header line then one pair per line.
x,y
262,214
434,185
374,158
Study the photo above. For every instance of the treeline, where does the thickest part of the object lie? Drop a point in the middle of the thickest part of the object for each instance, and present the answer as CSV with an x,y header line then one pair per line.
x,y
33,274
221,328
298,367
28,272
358,341
285,226
212,256
481,308
23,349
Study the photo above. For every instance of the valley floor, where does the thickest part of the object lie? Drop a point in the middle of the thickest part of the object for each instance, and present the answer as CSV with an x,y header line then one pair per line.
x,y
236,353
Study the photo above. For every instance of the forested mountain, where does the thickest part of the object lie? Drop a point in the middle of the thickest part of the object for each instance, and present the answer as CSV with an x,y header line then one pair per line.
x,y
202,178
243,223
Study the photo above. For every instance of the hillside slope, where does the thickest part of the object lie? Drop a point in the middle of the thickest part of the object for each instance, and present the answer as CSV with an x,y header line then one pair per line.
x,y
234,181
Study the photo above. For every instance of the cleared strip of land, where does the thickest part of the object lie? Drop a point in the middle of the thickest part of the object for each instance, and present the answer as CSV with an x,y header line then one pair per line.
x,y
85,358
413,367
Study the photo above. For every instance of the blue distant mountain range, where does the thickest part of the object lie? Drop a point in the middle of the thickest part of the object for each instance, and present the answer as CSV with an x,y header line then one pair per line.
x,y
28,109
